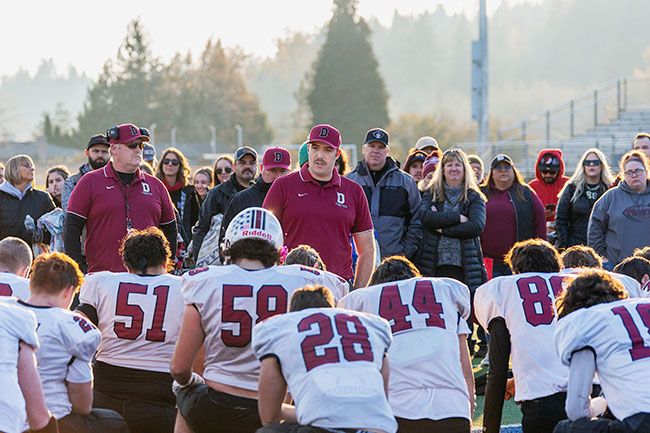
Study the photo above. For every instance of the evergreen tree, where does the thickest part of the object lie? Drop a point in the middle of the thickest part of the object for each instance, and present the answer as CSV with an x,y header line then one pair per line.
x,y
126,90
345,87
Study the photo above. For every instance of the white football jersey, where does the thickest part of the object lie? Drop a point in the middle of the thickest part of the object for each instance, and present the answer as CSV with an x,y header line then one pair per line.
x,y
631,285
618,334
68,344
13,285
426,316
231,300
16,324
139,317
527,304
331,359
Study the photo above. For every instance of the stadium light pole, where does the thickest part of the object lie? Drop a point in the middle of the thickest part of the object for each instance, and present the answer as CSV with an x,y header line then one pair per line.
x,y
480,75
240,135
152,129
213,138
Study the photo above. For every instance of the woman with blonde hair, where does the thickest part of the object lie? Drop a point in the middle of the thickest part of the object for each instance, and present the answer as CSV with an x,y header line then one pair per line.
x,y
452,216
20,204
589,182
174,171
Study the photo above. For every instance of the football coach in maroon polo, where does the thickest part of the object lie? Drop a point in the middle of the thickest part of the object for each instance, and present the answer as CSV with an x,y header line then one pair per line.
x,y
115,199
317,207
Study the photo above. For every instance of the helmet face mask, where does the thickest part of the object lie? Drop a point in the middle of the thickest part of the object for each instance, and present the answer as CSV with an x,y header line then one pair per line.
x,y
256,223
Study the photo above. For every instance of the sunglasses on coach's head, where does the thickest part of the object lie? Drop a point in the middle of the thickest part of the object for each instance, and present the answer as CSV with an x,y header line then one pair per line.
x,y
227,170
173,162
591,162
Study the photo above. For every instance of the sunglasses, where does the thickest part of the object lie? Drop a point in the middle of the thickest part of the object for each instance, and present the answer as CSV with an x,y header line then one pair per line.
x,y
503,167
134,145
174,162
591,162
548,171
226,170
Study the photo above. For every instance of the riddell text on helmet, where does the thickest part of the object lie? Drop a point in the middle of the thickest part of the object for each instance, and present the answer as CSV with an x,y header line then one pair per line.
x,y
256,233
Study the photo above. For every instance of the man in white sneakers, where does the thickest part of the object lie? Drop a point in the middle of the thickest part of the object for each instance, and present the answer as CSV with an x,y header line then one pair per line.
x,y
15,261
334,363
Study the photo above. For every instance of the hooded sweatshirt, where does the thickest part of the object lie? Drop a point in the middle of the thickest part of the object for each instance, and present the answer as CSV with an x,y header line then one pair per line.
x,y
548,192
619,222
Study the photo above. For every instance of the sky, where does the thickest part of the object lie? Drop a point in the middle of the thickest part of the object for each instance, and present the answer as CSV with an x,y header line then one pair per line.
x,y
84,33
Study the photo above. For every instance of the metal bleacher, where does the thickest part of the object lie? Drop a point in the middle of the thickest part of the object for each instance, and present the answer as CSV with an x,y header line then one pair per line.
x,y
606,118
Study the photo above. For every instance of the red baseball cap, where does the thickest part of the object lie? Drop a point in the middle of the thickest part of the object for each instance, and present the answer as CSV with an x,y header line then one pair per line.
x,y
126,133
276,157
326,134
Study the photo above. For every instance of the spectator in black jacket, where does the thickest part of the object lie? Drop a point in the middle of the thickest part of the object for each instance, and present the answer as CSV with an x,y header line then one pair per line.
x,y
174,172
276,162
589,182
452,217
20,204
218,198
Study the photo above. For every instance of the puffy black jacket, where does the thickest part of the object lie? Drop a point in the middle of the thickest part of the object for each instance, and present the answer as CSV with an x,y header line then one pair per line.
x,y
14,211
572,217
216,202
427,221
250,197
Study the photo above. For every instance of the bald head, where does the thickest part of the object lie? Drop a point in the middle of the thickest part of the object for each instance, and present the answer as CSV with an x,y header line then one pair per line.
x,y
15,256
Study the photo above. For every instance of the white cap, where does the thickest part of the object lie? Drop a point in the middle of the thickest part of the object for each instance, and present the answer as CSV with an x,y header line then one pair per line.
x,y
254,222
426,142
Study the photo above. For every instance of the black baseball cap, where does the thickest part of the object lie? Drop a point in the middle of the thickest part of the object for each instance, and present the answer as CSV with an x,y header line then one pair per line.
x,y
501,157
97,139
377,134
243,151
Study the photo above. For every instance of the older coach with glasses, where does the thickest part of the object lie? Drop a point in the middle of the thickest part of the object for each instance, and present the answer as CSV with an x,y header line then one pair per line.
x,y
115,199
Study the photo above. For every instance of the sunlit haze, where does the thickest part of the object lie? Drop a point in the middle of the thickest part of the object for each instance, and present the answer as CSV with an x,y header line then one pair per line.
x,y
86,33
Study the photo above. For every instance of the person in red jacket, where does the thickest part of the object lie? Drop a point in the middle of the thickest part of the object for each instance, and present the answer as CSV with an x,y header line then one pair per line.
x,y
549,179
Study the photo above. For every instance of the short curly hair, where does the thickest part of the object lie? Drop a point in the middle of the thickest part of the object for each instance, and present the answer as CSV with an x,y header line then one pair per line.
x,y
590,288
581,256
305,255
533,255
253,249
394,268
142,249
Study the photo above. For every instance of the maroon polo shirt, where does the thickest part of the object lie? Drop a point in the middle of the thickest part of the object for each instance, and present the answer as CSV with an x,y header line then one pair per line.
x,y
323,217
108,206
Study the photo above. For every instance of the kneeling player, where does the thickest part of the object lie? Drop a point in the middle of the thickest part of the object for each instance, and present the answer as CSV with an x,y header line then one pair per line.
x,y
15,261
223,303
425,396
334,362
599,329
68,344
577,258
519,313
22,392
139,315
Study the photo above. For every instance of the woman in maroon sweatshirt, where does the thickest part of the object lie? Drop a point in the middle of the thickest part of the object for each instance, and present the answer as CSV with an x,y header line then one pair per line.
x,y
514,212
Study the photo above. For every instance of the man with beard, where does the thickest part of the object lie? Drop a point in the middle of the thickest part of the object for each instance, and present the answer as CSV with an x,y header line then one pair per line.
x,y
97,154
218,198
